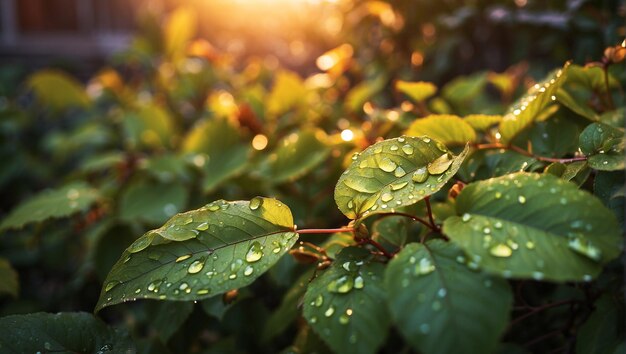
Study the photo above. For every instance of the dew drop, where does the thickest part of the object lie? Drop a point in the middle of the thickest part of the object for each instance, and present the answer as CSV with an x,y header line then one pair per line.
x,y
399,172
202,291
521,199
232,276
498,195
538,275
585,247
501,250
420,175
439,165
254,253
111,285
203,226
329,312
344,319
530,245
424,266
398,186
213,207
183,257
248,271
196,266
255,203
341,285
183,286
387,165
358,282
394,148
319,300
407,149
350,204
466,217
385,197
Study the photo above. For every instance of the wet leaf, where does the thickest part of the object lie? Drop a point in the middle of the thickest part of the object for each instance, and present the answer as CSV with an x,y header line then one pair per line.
x,y
220,152
9,284
391,230
417,91
448,129
440,305
575,106
533,226
604,147
65,332
530,106
343,305
48,204
296,155
202,253
394,173
57,90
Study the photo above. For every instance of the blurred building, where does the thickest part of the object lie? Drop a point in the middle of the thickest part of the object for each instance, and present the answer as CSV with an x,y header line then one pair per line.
x,y
33,31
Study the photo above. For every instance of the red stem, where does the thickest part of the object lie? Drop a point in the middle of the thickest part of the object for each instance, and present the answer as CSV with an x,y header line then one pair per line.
x,y
430,215
415,218
526,153
377,245
324,231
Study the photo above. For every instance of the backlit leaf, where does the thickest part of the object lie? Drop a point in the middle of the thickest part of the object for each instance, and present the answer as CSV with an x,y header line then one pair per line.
x,y
65,332
440,305
448,129
482,122
344,305
56,203
202,253
417,91
296,155
179,30
530,106
58,90
527,225
394,173
288,92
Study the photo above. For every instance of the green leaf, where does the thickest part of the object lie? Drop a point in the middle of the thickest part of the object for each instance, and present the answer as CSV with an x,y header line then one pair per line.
x,y
394,173
609,187
67,332
221,153
167,317
448,129
9,284
202,253
151,202
417,91
529,107
614,118
58,90
575,106
440,305
464,88
604,147
167,168
482,122
149,125
604,330
577,171
296,155
528,225
57,203
392,230
282,317
344,304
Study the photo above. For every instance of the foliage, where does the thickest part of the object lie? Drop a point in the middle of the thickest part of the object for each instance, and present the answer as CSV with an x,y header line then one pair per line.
x,y
197,204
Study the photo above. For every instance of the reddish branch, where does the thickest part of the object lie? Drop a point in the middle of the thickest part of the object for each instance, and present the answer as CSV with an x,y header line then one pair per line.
x,y
526,153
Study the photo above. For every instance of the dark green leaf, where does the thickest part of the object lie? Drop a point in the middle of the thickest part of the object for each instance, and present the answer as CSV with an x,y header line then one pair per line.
x,y
68,332
152,202
9,284
56,203
577,107
57,90
440,305
577,172
448,129
344,304
464,88
395,173
604,146
534,226
609,187
604,330
530,106
167,317
202,253
392,230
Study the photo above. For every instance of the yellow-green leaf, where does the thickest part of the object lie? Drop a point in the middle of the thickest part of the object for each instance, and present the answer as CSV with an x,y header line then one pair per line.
x,y
448,129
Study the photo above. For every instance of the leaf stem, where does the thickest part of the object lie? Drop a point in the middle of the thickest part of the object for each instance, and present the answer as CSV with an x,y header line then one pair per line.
x,y
526,153
412,217
376,245
430,215
324,231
